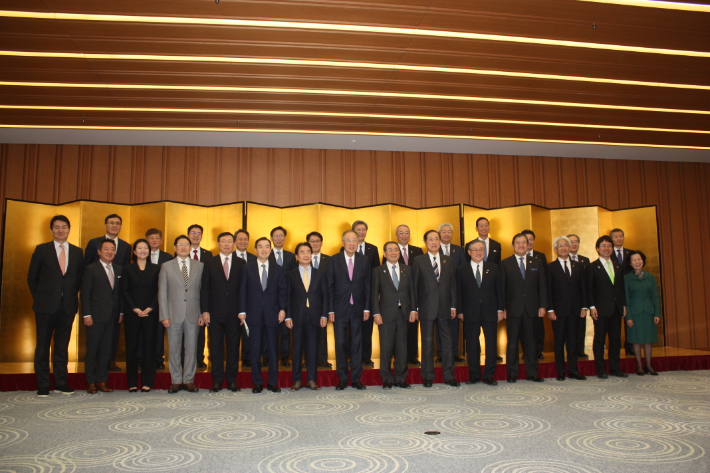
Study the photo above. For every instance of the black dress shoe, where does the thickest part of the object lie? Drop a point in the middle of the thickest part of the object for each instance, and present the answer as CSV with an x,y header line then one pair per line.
x,y
618,374
640,373
540,356
359,385
325,364
257,388
438,359
602,375
458,359
112,366
650,371
285,362
583,355
490,382
511,379
216,387
453,383
201,365
630,352
472,380
535,379
499,359
265,362
560,377
341,385
576,376
415,362
368,362
233,387
387,385
427,384
273,388
403,385
159,365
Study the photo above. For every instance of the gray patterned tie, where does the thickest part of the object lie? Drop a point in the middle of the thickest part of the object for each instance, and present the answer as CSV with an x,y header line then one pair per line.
x,y
395,278
478,275
263,277
522,267
184,272
436,270
279,261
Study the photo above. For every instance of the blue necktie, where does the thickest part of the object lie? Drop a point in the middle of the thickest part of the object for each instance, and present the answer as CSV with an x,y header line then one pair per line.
x,y
263,277
522,267
395,279
279,261
315,262
619,257
436,270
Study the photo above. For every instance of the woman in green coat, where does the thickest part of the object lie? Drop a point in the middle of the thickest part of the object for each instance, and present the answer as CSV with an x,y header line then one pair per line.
x,y
642,310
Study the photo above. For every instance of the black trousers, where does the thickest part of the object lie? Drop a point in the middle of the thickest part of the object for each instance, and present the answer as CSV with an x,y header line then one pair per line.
x,y
246,346
57,325
159,341
539,334
565,330
201,337
367,329
352,322
581,335
223,332
393,342
455,324
443,325
413,341
520,330
140,331
116,334
607,326
272,339
305,337
322,344
285,340
98,350
472,331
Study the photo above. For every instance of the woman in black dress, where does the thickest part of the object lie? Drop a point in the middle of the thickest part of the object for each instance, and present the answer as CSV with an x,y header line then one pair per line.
x,y
140,296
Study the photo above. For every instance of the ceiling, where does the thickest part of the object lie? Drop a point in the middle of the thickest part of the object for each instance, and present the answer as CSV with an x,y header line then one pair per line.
x,y
569,73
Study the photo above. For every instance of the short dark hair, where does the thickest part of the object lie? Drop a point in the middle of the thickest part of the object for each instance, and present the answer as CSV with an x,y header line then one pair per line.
x,y
194,225
181,237
304,243
256,243
479,219
135,244
384,248
113,216
153,231
528,232
426,235
276,229
225,234
107,240
312,234
574,235
359,222
61,218
602,239
521,234
241,230
637,252
617,230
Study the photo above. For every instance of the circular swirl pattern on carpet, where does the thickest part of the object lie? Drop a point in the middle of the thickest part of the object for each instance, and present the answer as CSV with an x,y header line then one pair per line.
x,y
10,436
158,460
630,447
436,389
196,404
385,419
143,426
309,407
401,397
600,406
695,409
5,407
667,386
330,459
347,396
465,448
30,464
494,425
401,442
197,420
93,453
537,466
637,399
503,398
441,410
641,425
575,388
34,399
239,436
90,411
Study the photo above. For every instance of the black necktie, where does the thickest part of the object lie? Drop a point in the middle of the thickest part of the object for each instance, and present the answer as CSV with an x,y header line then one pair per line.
x,y
569,275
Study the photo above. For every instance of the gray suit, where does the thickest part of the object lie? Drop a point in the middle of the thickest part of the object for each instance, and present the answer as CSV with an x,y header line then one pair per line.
x,y
181,305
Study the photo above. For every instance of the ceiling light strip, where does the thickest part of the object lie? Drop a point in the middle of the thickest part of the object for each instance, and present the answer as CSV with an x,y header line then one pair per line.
x,y
345,115
344,64
357,93
348,28
695,7
346,133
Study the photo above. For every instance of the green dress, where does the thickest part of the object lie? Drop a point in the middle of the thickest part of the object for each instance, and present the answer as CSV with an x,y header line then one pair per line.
x,y
641,307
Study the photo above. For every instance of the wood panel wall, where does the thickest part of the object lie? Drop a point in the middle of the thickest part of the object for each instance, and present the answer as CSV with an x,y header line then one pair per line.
x,y
208,176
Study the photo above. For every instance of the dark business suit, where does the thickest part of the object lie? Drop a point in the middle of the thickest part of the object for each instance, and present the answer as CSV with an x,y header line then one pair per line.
x,y
626,269
103,303
523,299
306,309
582,325
539,323
609,300
262,307
201,335
220,297
567,295
322,331
163,257
434,300
55,306
246,347
140,291
394,304
348,316
288,264
412,328
494,251
373,256
480,306
458,255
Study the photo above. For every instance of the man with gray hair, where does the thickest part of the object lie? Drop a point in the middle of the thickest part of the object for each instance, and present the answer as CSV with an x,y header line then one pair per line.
x,y
582,326
456,252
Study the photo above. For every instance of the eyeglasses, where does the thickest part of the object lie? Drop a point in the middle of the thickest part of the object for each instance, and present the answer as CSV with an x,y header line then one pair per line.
x,y
196,233
183,244
392,250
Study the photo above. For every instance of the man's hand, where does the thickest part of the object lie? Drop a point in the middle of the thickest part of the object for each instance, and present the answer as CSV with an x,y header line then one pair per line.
x,y
453,314
323,321
552,315
412,317
505,314
541,312
120,318
88,321
289,323
624,312
206,317
282,315
656,320
460,316
594,313
365,315
166,323
630,323
201,322
583,314
242,318
501,315
331,316
139,312
378,319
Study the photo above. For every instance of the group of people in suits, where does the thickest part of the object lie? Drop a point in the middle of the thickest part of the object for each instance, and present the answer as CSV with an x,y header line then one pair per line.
x,y
275,305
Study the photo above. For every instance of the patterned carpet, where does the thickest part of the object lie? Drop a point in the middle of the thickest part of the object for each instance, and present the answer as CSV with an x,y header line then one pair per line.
x,y
645,424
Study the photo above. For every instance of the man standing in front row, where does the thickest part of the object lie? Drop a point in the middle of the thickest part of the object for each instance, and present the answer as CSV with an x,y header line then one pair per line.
x,y
480,306
393,310
101,304
621,255
320,262
525,287
179,287
54,277
435,297
349,305
538,324
582,326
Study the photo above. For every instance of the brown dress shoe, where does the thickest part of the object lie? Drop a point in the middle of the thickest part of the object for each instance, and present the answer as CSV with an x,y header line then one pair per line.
x,y
91,388
191,388
312,385
296,386
103,388
174,388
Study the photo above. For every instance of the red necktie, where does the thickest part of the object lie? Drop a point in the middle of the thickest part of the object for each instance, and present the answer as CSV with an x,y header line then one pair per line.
x,y
195,256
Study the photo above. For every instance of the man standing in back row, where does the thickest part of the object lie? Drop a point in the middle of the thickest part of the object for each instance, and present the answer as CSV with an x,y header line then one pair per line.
x,y
406,257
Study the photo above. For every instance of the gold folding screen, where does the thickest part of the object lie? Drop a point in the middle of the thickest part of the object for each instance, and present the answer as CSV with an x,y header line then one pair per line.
x,y
17,331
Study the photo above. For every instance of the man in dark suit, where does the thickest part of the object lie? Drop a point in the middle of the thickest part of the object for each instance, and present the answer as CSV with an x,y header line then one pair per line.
x,y
219,303
621,255
157,257
197,253
492,247
457,254
373,256
53,278
525,288
567,306
607,305
348,305
241,238
101,306
263,299
287,261
393,309
480,305
538,324
435,296
307,313
113,224
582,325
320,261
407,253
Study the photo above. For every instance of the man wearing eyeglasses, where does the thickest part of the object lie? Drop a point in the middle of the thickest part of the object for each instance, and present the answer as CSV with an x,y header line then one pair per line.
x,y
197,253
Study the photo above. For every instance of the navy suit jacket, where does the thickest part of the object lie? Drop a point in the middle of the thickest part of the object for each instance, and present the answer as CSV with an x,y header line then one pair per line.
x,y
413,251
478,304
317,296
582,259
123,252
386,298
48,286
494,251
566,296
163,257
323,264
626,264
602,294
289,260
456,253
434,298
263,306
524,294
218,295
340,287
371,253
